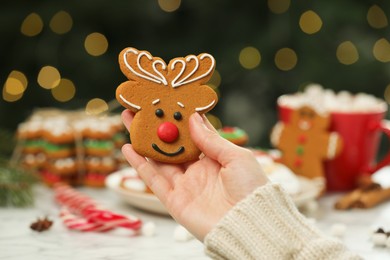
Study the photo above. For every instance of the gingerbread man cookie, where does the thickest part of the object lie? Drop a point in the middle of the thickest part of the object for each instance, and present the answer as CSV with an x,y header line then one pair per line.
x,y
163,98
305,142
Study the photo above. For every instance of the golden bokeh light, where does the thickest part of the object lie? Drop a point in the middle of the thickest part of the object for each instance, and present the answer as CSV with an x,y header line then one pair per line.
x,y
310,22
278,6
96,44
11,98
347,53
16,83
376,17
169,5
381,50
61,22
96,106
215,80
32,25
215,121
387,94
249,57
286,59
65,91
49,77
13,86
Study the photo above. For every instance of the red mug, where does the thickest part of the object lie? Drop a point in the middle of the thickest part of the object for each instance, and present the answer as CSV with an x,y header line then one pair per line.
x,y
360,132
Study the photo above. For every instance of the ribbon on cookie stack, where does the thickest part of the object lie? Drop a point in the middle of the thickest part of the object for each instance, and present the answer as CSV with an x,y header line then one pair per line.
x,y
80,212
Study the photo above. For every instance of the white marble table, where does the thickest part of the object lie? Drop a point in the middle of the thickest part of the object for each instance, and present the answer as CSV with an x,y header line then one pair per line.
x,y
18,241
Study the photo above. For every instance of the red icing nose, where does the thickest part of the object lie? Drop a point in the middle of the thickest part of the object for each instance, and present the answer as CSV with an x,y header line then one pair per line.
x,y
168,132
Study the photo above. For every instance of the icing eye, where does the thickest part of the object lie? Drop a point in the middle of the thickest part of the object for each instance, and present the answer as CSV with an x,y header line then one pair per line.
x,y
159,112
177,116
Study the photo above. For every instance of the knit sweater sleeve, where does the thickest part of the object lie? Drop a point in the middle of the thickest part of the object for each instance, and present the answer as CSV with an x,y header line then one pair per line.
x,y
267,225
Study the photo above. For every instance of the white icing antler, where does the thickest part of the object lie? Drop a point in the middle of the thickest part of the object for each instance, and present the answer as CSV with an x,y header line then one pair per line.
x,y
157,77
176,82
201,109
129,103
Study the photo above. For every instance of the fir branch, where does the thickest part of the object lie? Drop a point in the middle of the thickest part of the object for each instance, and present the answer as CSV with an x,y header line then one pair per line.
x,y
15,182
7,142
15,186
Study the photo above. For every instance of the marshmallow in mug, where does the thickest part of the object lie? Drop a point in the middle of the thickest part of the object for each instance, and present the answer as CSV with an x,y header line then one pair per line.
x,y
326,100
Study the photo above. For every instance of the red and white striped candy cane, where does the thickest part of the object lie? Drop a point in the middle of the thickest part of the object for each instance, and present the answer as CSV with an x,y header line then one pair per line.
x,y
75,201
74,222
90,214
110,218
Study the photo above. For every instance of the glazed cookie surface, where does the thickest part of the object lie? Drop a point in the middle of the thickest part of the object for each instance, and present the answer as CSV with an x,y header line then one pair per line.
x,y
164,96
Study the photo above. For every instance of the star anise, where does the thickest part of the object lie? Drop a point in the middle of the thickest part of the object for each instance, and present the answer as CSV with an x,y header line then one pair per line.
x,y
41,224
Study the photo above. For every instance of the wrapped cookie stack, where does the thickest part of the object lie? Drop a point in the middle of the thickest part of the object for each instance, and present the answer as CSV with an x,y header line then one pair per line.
x,y
71,147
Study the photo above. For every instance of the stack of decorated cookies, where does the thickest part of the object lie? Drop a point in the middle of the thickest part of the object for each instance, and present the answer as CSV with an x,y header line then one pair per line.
x,y
71,147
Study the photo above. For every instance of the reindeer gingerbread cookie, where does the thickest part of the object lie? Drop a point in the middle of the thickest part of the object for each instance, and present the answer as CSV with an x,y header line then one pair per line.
x,y
163,98
305,142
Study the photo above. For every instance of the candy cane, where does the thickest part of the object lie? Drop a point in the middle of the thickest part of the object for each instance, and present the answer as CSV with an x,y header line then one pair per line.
x,y
90,214
107,217
81,224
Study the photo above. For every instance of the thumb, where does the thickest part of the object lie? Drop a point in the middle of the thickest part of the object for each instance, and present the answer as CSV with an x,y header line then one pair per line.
x,y
207,139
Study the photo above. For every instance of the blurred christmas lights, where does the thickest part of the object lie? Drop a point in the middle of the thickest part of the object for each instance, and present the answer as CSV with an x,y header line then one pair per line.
x,y
96,106
215,121
381,50
96,44
310,22
61,22
169,5
48,77
11,98
347,53
16,83
14,86
387,94
32,25
65,90
278,6
249,57
286,59
376,18
215,80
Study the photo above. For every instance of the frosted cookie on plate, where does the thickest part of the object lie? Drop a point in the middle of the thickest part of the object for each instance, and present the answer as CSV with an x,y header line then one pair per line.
x,y
279,173
234,134
127,179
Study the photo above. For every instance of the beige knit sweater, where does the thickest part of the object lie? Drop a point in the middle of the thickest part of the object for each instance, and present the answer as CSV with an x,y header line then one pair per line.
x,y
267,225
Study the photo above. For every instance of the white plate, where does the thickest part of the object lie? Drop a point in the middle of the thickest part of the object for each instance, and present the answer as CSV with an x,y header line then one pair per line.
x,y
310,190
141,200
145,201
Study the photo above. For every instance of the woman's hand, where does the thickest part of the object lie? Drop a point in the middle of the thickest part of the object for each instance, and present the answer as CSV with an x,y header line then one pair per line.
x,y
198,194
